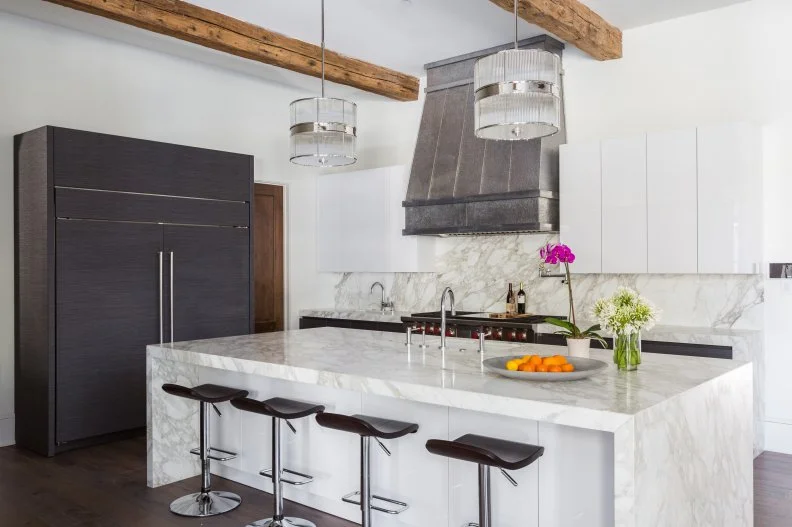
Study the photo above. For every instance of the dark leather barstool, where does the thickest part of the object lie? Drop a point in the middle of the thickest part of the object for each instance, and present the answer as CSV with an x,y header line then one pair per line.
x,y
208,502
367,427
487,452
280,410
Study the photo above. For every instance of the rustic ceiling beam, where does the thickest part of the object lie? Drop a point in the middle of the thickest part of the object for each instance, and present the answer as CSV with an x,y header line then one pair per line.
x,y
215,30
573,22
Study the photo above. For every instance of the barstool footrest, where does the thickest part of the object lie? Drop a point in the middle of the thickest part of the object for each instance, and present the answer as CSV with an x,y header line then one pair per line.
x,y
401,505
267,473
220,455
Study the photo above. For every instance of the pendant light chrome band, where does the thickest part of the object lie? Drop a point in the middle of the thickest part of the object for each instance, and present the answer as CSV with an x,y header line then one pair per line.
x,y
309,128
515,87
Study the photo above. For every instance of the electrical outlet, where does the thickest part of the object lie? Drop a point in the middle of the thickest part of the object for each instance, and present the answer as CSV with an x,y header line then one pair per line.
x,y
781,270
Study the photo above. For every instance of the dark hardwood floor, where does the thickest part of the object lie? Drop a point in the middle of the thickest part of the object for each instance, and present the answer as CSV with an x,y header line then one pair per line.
x,y
105,486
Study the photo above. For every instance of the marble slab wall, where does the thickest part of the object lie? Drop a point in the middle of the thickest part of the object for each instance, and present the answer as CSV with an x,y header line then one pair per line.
x,y
479,269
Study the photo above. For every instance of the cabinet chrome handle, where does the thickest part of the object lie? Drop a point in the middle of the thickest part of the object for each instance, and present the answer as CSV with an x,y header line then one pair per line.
x,y
171,295
161,298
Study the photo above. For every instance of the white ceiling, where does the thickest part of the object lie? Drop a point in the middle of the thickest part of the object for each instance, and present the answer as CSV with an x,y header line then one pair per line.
x,y
399,34
406,34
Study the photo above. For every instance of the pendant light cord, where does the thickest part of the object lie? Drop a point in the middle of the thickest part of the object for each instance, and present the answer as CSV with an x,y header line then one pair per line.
x,y
323,49
515,23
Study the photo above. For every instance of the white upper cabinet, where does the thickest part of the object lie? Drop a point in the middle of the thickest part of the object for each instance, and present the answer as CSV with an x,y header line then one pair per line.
x,y
581,204
672,201
624,235
684,201
730,223
360,220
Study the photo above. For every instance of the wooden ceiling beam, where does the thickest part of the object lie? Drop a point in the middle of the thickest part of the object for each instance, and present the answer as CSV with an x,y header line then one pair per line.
x,y
215,30
573,22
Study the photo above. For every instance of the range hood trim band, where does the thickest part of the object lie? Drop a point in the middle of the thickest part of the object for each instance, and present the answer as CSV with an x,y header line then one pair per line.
x,y
522,228
508,196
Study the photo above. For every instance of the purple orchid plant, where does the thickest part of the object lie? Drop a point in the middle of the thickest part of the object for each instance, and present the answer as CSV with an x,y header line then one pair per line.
x,y
555,254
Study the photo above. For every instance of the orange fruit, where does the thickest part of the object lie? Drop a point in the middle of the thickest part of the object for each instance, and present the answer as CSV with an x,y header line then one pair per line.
x,y
536,360
541,368
526,367
568,367
556,360
554,369
512,365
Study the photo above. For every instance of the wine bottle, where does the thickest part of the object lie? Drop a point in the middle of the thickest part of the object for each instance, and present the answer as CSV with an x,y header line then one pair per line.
x,y
511,304
521,300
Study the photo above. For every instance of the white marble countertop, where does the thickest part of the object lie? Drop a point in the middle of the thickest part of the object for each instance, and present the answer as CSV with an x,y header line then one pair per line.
x,y
379,363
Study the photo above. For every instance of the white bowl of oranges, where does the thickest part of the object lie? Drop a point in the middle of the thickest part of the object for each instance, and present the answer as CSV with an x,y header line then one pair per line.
x,y
544,368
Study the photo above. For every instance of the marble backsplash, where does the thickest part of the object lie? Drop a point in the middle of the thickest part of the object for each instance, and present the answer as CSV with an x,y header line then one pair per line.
x,y
479,269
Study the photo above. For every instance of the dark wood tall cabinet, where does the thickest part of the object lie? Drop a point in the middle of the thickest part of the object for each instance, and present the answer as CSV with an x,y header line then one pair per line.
x,y
119,243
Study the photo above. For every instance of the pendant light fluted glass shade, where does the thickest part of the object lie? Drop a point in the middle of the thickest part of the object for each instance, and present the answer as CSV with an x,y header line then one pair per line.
x,y
518,95
323,132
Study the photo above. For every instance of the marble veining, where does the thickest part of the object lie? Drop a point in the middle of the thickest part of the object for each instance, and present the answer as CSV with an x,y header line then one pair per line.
x,y
479,268
377,362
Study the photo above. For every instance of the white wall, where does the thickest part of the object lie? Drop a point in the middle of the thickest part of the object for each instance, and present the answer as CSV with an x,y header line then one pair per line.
x,y
55,76
725,65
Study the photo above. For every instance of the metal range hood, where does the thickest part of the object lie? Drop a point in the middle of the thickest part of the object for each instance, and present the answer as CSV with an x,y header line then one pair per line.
x,y
462,185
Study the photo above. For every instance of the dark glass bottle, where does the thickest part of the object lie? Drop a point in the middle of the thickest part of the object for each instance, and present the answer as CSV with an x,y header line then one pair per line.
x,y
521,300
511,303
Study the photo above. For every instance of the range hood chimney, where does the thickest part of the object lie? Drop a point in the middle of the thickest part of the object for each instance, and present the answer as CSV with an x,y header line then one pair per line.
x,y
463,185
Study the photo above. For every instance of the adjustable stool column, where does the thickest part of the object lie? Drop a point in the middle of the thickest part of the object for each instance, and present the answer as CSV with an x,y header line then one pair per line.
x,y
280,410
487,452
207,502
367,427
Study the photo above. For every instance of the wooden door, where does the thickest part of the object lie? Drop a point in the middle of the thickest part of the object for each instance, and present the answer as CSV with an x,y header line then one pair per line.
x,y
268,259
107,290
211,282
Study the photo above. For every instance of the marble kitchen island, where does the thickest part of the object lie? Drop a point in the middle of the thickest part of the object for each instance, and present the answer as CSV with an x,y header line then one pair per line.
x,y
669,445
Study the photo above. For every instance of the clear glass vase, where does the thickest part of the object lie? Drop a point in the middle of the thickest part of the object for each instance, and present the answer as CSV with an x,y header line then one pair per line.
x,y
627,351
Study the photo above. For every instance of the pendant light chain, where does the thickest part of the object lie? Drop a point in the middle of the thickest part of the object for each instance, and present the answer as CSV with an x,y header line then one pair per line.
x,y
323,49
515,23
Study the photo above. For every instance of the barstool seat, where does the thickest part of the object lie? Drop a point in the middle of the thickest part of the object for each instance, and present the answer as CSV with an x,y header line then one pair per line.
x,y
487,452
208,502
206,393
280,409
490,451
367,426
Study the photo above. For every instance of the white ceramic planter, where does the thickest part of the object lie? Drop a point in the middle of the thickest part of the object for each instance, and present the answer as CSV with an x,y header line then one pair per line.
x,y
579,347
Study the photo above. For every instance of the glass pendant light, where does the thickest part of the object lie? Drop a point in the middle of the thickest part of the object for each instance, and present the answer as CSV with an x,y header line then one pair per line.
x,y
323,129
517,93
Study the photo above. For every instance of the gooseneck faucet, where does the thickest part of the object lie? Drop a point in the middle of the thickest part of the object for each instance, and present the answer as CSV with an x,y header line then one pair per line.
x,y
382,288
450,294
384,304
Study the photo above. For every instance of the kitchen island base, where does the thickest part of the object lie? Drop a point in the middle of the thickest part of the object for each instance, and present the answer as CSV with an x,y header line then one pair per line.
x,y
685,460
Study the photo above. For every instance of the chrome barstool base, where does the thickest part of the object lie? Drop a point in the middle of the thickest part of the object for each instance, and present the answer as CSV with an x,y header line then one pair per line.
x,y
285,522
203,504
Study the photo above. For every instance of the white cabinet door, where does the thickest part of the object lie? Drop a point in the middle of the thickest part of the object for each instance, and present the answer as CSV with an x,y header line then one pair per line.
x,y
581,205
352,222
730,227
624,235
672,202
